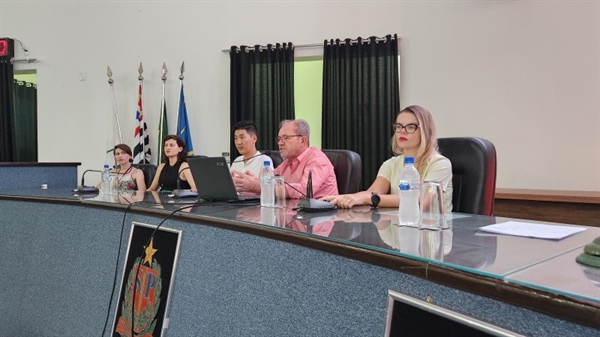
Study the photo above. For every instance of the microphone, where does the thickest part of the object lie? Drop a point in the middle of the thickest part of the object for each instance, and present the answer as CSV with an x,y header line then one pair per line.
x,y
241,160
87,189
309,187
289,185
179,193
309,204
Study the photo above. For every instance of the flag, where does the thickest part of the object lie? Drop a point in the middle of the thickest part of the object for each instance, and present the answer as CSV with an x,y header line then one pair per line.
x,y
113,135
163,128
183,126
141,151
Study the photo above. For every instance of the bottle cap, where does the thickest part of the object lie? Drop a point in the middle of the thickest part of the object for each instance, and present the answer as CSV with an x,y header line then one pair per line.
x,y
267,163
106,166
409,160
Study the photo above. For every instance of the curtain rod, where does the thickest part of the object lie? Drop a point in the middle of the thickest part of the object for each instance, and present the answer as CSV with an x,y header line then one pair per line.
x,y
314,45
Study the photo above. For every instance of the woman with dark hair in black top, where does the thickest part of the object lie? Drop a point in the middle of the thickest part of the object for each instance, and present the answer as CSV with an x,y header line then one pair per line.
x,y
175,167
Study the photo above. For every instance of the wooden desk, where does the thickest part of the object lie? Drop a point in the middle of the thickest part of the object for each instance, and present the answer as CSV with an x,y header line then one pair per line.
x,y
241,274
573,207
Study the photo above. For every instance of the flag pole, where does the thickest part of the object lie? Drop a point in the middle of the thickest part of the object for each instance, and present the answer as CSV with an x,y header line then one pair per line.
x,y
181,77
183,126
163,116
112,89
141,152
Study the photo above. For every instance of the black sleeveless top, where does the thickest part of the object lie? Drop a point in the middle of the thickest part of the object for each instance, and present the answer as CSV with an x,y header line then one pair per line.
x,y
168,178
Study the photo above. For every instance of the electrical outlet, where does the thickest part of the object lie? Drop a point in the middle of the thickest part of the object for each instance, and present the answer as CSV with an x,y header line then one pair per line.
x,y
225,154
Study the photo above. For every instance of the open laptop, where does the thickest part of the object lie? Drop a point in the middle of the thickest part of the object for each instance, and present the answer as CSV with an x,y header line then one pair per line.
x,y
213,180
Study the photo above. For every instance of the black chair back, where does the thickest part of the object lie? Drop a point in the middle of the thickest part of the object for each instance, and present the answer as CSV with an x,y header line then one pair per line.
x,y
275,157
348,169
149,172
473,173
346,164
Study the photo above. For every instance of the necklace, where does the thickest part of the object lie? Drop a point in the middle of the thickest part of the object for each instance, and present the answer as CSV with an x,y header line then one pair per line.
x,y
123,174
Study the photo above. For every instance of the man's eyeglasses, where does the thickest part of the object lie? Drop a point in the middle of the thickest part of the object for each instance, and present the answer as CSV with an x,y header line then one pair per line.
x,y
410,128
285,137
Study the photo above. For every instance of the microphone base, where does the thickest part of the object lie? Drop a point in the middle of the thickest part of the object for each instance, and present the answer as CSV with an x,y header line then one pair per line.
x,y
314,205
88,189
184,194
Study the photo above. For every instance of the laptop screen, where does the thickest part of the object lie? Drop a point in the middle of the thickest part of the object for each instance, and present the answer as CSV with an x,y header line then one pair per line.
x,y
408,316
212,178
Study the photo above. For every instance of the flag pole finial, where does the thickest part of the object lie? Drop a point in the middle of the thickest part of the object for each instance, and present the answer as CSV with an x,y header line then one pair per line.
x,y
164,73
109,74
140,71
182,70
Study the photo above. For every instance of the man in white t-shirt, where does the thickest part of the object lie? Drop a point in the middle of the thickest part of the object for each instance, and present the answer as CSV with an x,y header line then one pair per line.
x,y
251,160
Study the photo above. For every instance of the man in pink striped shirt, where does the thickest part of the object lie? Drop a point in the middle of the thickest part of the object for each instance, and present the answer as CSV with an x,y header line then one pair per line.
x,y
300,159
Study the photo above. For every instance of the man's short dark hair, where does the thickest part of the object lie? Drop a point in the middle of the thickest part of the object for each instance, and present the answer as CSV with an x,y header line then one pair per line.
x,y
245,125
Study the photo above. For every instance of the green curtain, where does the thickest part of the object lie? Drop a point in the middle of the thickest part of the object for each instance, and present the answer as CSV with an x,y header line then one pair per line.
x,y
360,99
262,89
25,122
7,144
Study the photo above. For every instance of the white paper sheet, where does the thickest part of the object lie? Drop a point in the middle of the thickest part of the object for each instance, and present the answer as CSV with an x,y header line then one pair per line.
x,y
533,230
447,216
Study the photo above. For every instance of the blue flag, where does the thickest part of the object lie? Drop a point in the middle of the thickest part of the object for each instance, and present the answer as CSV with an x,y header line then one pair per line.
x,y
183,126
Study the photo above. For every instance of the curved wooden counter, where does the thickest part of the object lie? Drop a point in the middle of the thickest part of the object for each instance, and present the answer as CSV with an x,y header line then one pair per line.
x,y
262,247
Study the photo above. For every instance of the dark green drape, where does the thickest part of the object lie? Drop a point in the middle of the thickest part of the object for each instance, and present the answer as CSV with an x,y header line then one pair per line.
x,y
360,99
7,144
262,89
25,122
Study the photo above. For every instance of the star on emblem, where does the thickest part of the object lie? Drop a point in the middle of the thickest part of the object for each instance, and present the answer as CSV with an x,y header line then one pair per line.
x,y
149,253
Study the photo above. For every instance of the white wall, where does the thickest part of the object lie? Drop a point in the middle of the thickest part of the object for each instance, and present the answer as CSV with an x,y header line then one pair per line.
x,y
524,75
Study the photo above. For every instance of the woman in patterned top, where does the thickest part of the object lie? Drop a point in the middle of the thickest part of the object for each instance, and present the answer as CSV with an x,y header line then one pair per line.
x,y
129,178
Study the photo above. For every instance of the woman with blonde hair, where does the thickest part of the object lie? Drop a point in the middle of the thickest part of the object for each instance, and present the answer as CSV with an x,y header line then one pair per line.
x,y
414,136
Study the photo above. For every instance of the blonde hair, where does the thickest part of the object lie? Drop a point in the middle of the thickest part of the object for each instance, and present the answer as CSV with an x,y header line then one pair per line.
x,y
428,146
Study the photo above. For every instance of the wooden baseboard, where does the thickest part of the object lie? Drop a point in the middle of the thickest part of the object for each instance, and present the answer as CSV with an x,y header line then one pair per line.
x,y
570,207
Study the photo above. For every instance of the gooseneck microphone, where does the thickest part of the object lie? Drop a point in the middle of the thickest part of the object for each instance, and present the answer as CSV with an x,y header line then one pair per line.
x,y
309,204
290,185
87,189
179,193
309,187
241,160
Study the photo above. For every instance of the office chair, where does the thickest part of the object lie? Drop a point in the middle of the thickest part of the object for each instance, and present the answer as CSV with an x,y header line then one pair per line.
x,y
149,172
473,173
346,164
348,169
275,157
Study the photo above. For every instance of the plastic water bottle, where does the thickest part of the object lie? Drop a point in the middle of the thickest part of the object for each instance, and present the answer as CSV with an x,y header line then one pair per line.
x,y
105,186
410,189
266,185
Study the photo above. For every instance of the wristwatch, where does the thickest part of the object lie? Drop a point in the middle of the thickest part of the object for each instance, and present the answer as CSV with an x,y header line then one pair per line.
x,y
375,199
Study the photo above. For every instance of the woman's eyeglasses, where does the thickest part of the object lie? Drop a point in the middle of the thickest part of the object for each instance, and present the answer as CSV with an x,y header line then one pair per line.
x,y
410,128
